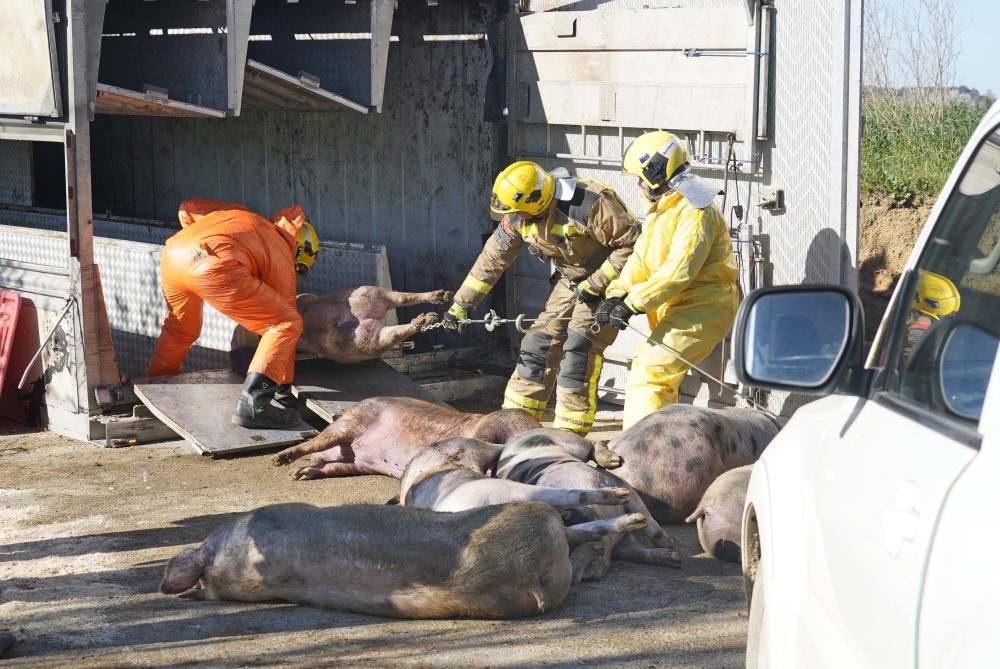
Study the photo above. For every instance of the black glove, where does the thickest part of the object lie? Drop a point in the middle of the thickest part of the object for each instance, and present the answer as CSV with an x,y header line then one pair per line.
x,y
586,294
452,318
614,310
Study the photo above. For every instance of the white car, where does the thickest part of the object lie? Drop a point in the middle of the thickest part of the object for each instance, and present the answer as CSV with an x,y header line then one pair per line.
x,y
871,532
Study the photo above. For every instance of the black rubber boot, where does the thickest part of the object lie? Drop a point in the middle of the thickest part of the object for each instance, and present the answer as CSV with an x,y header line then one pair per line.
x,y
254,408
283,396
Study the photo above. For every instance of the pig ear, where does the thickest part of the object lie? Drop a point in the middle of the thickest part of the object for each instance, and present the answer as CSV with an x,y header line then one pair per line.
x,y
183,571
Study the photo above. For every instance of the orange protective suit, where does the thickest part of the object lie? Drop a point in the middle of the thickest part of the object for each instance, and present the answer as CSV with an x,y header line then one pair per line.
x,y
244,266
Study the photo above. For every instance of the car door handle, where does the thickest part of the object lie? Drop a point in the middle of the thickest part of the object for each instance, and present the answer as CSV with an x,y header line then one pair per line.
x,y
901,521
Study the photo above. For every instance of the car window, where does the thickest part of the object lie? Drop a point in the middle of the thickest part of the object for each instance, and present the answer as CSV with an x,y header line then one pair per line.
x,y
944,354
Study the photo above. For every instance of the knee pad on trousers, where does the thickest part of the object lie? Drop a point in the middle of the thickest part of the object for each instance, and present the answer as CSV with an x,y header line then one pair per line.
x,y
575,362
532,357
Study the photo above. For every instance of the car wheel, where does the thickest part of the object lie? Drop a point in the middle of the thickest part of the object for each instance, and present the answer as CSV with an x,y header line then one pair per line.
x,y
756,637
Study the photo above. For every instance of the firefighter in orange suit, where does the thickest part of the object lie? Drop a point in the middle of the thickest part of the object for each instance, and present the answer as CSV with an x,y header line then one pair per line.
x,y
245,266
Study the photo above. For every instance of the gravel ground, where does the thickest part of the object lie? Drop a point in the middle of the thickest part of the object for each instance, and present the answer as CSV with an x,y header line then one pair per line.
x,y
85,531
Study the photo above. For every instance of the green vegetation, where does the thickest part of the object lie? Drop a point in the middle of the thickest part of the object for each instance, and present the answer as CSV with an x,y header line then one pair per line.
x,y
908,147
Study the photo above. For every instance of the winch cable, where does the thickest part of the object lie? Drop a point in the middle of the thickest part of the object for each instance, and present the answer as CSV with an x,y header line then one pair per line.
x,y
492,320
735,393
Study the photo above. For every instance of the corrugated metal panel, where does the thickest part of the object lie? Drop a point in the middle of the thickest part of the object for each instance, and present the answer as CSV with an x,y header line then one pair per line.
x,y
15,172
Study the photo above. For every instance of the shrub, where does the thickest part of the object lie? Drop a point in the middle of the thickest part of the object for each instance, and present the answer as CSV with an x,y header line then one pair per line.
x,y
909,147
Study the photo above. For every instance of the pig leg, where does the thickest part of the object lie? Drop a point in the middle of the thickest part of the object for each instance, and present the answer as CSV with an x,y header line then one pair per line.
x,y
561,498
373,302
333,462
398,299
598,567
326,471
339,433
630,550
485,492
605,457
657,535
579,534
580,559
375,339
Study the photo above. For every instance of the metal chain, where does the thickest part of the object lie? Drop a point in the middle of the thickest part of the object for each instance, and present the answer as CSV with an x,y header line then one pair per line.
x,y
493,320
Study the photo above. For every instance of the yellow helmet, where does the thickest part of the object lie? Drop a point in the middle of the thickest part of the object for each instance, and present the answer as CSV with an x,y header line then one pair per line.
x,y
522,187
936,295
655,158
307,247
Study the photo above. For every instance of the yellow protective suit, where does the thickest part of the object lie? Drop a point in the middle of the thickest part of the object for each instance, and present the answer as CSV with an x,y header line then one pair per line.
x,y
683,275
244,266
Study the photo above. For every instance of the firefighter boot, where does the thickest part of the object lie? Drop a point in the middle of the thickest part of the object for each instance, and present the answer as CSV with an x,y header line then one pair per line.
x,y
283,396
254,408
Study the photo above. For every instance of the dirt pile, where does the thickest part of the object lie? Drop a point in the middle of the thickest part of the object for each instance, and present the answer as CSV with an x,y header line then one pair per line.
x,y
887,233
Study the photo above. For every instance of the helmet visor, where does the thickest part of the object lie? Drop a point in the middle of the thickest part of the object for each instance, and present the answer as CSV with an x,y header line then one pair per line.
x,y
497,208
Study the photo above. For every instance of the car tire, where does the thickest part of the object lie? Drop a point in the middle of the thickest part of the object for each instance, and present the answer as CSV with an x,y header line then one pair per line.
x,y
756,649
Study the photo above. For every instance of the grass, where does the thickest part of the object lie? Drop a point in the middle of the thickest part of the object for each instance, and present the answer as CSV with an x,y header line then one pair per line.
x,y
908,148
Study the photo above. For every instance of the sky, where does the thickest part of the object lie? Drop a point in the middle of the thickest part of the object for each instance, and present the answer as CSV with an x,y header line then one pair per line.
x,y
979,44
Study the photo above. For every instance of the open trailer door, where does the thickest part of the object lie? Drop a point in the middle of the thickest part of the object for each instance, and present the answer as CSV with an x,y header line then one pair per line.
x,y
29,69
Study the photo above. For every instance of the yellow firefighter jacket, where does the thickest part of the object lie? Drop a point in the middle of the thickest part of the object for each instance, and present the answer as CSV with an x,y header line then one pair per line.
x,y
682,251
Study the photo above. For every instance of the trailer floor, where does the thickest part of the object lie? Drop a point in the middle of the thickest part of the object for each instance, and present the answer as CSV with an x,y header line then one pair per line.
x,y
85,531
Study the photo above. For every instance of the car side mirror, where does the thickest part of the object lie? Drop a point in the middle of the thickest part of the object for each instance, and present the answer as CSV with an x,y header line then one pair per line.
x,y
798,338
966,363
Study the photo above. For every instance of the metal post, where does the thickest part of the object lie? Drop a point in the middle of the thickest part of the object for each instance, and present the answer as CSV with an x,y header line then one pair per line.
x,y
94,346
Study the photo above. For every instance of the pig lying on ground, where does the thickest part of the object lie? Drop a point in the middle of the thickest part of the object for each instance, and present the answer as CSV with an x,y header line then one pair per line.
x,y
670,457
451,476
557,459
381,435
504,561
720,514
348,326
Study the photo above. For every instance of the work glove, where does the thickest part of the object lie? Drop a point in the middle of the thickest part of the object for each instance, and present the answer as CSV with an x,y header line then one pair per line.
x,y
585,294
614,310
452,318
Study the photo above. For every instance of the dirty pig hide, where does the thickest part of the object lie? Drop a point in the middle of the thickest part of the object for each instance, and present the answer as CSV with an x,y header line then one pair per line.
x,y
348,326
505,561
380,435
671,456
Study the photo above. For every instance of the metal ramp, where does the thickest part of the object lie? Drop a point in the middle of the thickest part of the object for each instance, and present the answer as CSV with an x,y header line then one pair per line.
x,y
329,389
198,405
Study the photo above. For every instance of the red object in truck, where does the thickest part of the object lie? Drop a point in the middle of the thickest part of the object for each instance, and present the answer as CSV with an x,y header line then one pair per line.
x,y
10,307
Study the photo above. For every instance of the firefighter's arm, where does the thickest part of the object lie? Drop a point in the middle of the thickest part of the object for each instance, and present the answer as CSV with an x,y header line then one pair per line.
x,y
614,227
690,246
498,254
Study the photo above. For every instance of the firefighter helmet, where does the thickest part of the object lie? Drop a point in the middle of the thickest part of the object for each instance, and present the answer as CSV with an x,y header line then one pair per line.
x,y
522,187
936,295
306,247
655,158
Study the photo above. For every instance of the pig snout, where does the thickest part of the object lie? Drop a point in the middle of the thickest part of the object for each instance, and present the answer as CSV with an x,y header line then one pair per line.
x,y
183,571
719,536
